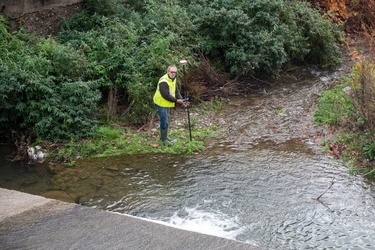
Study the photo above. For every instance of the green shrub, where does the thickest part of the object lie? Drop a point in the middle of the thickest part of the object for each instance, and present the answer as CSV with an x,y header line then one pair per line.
x,y
42,94
128,56
261,37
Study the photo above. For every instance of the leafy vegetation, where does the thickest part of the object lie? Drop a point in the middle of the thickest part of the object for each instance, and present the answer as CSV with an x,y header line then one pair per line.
x,y
335,107
350,108
42,93
262,37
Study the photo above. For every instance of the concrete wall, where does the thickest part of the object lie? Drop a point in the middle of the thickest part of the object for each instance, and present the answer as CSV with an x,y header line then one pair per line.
x,y
39,17
17,8
34,222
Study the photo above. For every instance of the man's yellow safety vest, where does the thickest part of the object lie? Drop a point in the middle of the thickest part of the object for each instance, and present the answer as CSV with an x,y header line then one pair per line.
x,y
158,99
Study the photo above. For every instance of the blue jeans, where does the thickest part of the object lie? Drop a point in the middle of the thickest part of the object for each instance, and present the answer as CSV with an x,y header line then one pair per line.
x,y
164,116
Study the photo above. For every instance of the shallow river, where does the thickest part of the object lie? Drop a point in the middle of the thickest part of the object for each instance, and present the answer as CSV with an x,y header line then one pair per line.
x,y
268,182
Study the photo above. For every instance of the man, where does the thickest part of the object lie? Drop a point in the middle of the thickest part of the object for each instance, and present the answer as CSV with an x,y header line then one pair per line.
x,y
166,96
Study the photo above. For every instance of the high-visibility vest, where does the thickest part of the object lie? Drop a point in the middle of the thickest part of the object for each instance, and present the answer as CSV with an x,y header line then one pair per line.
x,y
158,98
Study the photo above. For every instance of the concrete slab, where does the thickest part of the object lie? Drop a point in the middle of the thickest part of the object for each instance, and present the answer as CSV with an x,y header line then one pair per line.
x,y
34,222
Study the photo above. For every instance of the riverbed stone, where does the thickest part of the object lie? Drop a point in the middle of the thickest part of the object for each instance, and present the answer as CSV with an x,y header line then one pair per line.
x,y
112,167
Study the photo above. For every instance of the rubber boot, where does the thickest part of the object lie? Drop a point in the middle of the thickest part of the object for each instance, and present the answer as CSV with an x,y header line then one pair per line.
x,y
163,137
169,139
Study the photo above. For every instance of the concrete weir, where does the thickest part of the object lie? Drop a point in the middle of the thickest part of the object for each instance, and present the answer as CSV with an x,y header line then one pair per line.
x,y
34,222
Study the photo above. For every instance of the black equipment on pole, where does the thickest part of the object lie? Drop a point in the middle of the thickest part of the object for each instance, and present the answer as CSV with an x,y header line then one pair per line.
x,y
183,63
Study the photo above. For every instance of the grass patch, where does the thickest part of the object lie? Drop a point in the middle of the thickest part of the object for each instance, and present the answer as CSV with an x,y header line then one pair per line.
x,y
112,140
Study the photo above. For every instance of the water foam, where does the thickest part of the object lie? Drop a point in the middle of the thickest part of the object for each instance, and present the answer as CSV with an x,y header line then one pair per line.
x,y
212,223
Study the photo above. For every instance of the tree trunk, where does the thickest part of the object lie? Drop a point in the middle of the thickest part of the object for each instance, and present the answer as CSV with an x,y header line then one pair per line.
x,y
112,103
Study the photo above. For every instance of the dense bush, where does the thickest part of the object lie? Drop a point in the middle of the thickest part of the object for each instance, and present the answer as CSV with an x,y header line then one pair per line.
x,y
128,56
262,37
41,92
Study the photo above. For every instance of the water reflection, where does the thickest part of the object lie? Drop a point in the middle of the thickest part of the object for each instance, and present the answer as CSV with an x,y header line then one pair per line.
x,y
20,175
261,196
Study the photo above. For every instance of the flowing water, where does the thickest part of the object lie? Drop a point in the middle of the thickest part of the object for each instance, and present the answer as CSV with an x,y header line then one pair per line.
x,y
267,182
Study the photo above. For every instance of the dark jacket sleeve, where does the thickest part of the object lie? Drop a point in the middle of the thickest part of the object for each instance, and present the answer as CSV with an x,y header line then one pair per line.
x,y
178,93
164,91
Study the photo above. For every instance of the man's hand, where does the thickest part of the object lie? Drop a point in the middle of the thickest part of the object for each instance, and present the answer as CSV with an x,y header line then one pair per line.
x,y
183,102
